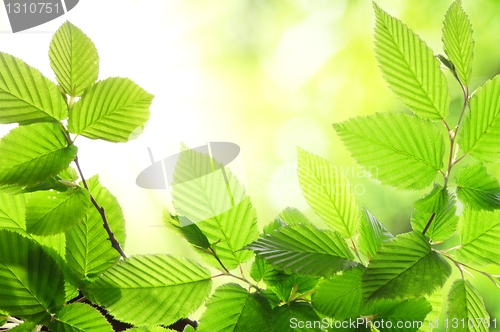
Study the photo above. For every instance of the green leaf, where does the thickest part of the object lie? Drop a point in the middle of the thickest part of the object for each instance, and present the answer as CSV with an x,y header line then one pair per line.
x,y
328,192
399,316
477,189
51,212
458,42
304,249
479,133
372,235
466,311
111,110
74,59
287,286
79,317
444,222
208,194
292,216
31,283
232,308
153,329
88,250
403,268
295,317
151,290
12,210
26,96
398,149
30,154
432,318
261,270
25,327
182,226
480,235
69,174
410,68
340,297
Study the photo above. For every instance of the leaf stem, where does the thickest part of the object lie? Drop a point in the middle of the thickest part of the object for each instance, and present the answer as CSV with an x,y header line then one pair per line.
x,y
114,242
461,267
428,223
356,251
229,274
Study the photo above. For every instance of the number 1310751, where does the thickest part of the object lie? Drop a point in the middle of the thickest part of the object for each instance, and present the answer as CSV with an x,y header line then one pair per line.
x,y
33,8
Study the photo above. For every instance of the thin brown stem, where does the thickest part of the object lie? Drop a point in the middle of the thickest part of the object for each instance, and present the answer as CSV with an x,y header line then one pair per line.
x,y
461,267
114,242
428,223
356,251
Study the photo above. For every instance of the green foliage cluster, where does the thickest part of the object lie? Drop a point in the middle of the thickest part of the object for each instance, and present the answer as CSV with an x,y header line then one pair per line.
x,y
354,276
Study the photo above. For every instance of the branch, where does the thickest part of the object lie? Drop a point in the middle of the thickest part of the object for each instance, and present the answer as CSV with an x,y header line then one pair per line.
x,y
428,223
114,242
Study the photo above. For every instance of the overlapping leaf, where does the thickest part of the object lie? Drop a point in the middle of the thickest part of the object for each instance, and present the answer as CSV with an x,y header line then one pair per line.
x,y
372,234
89,251
398,149
480,131
466,309
328,192
26,96
74,59
340,297
79,317
208,194
304,249
295,317
480,235
439,205
50,212
31,283
151,290
232,308
410,68
110,110
153,329
477,189
30,154
458,42
403,268
188,230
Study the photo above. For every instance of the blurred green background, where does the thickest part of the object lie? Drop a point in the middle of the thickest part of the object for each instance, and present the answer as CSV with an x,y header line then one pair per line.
x,y
269,75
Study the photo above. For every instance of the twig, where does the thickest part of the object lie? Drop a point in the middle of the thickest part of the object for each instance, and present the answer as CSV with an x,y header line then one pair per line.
x,y
114,242
428,223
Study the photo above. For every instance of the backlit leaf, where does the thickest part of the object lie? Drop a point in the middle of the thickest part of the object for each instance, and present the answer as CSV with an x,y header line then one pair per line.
x,y
467,306
110,110
328,192
152,289
74,59
398,149
410,68
30,154
26,96
79,317
477,189
295,317
372,234
403,268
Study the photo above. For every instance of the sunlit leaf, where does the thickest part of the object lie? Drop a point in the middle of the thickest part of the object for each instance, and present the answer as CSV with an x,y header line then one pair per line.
x,y
340,297
372,234
467,305
74,59
458,42
477,189
30,154
304,249
403,268
233,308
26,96
410,68
328,192
208,194
89,251
295,317
151,290
31,283
439,205
479,236
110,110
79,317
50,212
479,133
398,149
188,230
